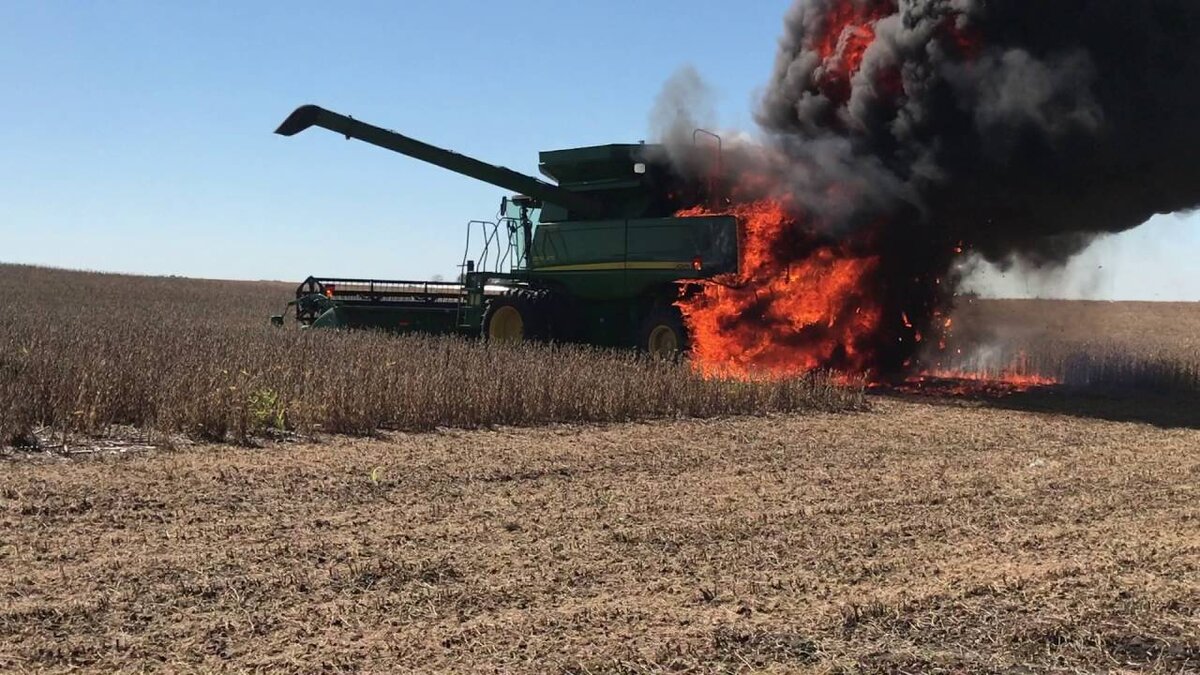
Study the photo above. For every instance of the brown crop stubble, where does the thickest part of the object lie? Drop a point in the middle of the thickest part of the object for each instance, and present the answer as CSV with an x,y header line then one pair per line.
x,y
915,538
82,352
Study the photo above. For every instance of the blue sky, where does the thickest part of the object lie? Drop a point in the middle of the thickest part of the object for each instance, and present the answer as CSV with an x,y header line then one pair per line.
x,y
136,136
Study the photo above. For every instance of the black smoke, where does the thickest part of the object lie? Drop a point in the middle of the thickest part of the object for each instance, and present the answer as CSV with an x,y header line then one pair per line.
x,y
1025,127
1018,129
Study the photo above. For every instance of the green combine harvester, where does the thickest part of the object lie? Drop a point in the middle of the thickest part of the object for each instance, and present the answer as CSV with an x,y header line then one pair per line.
x,y
598,258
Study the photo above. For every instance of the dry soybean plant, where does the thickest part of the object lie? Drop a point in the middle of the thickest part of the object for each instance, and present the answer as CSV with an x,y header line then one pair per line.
x,y
82,352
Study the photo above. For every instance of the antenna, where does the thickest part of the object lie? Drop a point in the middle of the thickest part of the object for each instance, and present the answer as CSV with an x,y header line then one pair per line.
x,y
712,178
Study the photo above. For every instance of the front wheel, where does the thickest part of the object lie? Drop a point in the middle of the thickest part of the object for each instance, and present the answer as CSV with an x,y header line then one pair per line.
x,y
663,334
516,316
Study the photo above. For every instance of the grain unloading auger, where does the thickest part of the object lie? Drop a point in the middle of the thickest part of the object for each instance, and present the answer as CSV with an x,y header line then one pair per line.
x,y
596,258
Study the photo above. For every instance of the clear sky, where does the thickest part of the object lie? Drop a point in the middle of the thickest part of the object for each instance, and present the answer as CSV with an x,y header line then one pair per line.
x,y
136,136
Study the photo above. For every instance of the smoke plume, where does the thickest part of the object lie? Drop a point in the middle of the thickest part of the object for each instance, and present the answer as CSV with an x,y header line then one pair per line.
x,y
1017,130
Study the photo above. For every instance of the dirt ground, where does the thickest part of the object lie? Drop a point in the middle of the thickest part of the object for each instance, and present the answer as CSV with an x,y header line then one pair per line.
x,y
919,537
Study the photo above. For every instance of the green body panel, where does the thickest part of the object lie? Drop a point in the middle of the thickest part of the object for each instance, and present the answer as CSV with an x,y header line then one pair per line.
x,y
665,250
605,174
614,259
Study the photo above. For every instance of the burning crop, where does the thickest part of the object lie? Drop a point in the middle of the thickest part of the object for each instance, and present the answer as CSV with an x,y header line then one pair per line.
x,y
904,138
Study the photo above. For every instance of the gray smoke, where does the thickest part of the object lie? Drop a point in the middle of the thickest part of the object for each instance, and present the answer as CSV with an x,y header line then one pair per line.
x,y
684,104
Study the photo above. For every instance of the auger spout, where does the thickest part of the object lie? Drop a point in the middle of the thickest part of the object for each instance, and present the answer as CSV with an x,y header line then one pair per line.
x,y
311,115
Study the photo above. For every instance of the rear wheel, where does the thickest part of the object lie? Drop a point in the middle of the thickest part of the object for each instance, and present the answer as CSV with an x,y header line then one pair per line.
x,y
516,316
663,334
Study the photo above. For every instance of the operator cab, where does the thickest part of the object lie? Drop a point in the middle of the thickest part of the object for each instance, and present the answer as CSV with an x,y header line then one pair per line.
x,y
520,214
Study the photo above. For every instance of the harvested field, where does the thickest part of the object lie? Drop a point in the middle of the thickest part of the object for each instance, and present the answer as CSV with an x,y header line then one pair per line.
x,y
913,538
1049,531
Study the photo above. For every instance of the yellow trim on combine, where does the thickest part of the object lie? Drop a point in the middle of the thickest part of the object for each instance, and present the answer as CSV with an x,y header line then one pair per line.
x,y
592,267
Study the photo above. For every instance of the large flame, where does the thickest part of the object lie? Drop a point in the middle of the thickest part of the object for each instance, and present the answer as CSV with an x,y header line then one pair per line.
x,y
818,310
783,316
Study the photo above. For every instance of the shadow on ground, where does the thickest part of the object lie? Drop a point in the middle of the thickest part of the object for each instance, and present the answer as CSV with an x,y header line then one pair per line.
x,y
1166,410
1173,410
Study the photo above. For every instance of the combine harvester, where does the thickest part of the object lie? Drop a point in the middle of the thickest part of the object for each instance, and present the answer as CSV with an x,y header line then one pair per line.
x,y
598,258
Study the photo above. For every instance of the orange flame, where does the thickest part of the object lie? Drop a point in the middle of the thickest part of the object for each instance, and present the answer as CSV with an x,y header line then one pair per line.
x,y
778,316
973,382
849,30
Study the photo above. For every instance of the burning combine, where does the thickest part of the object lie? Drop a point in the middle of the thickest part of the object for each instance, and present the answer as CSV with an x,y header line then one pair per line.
x,y
901,139
596,258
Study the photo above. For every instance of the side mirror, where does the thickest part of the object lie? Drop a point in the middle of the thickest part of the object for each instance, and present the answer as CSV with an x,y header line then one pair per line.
x,y
470,266
277,320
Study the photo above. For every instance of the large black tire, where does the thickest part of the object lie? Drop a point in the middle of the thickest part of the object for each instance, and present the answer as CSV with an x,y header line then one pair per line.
x,y
518,315
662,333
